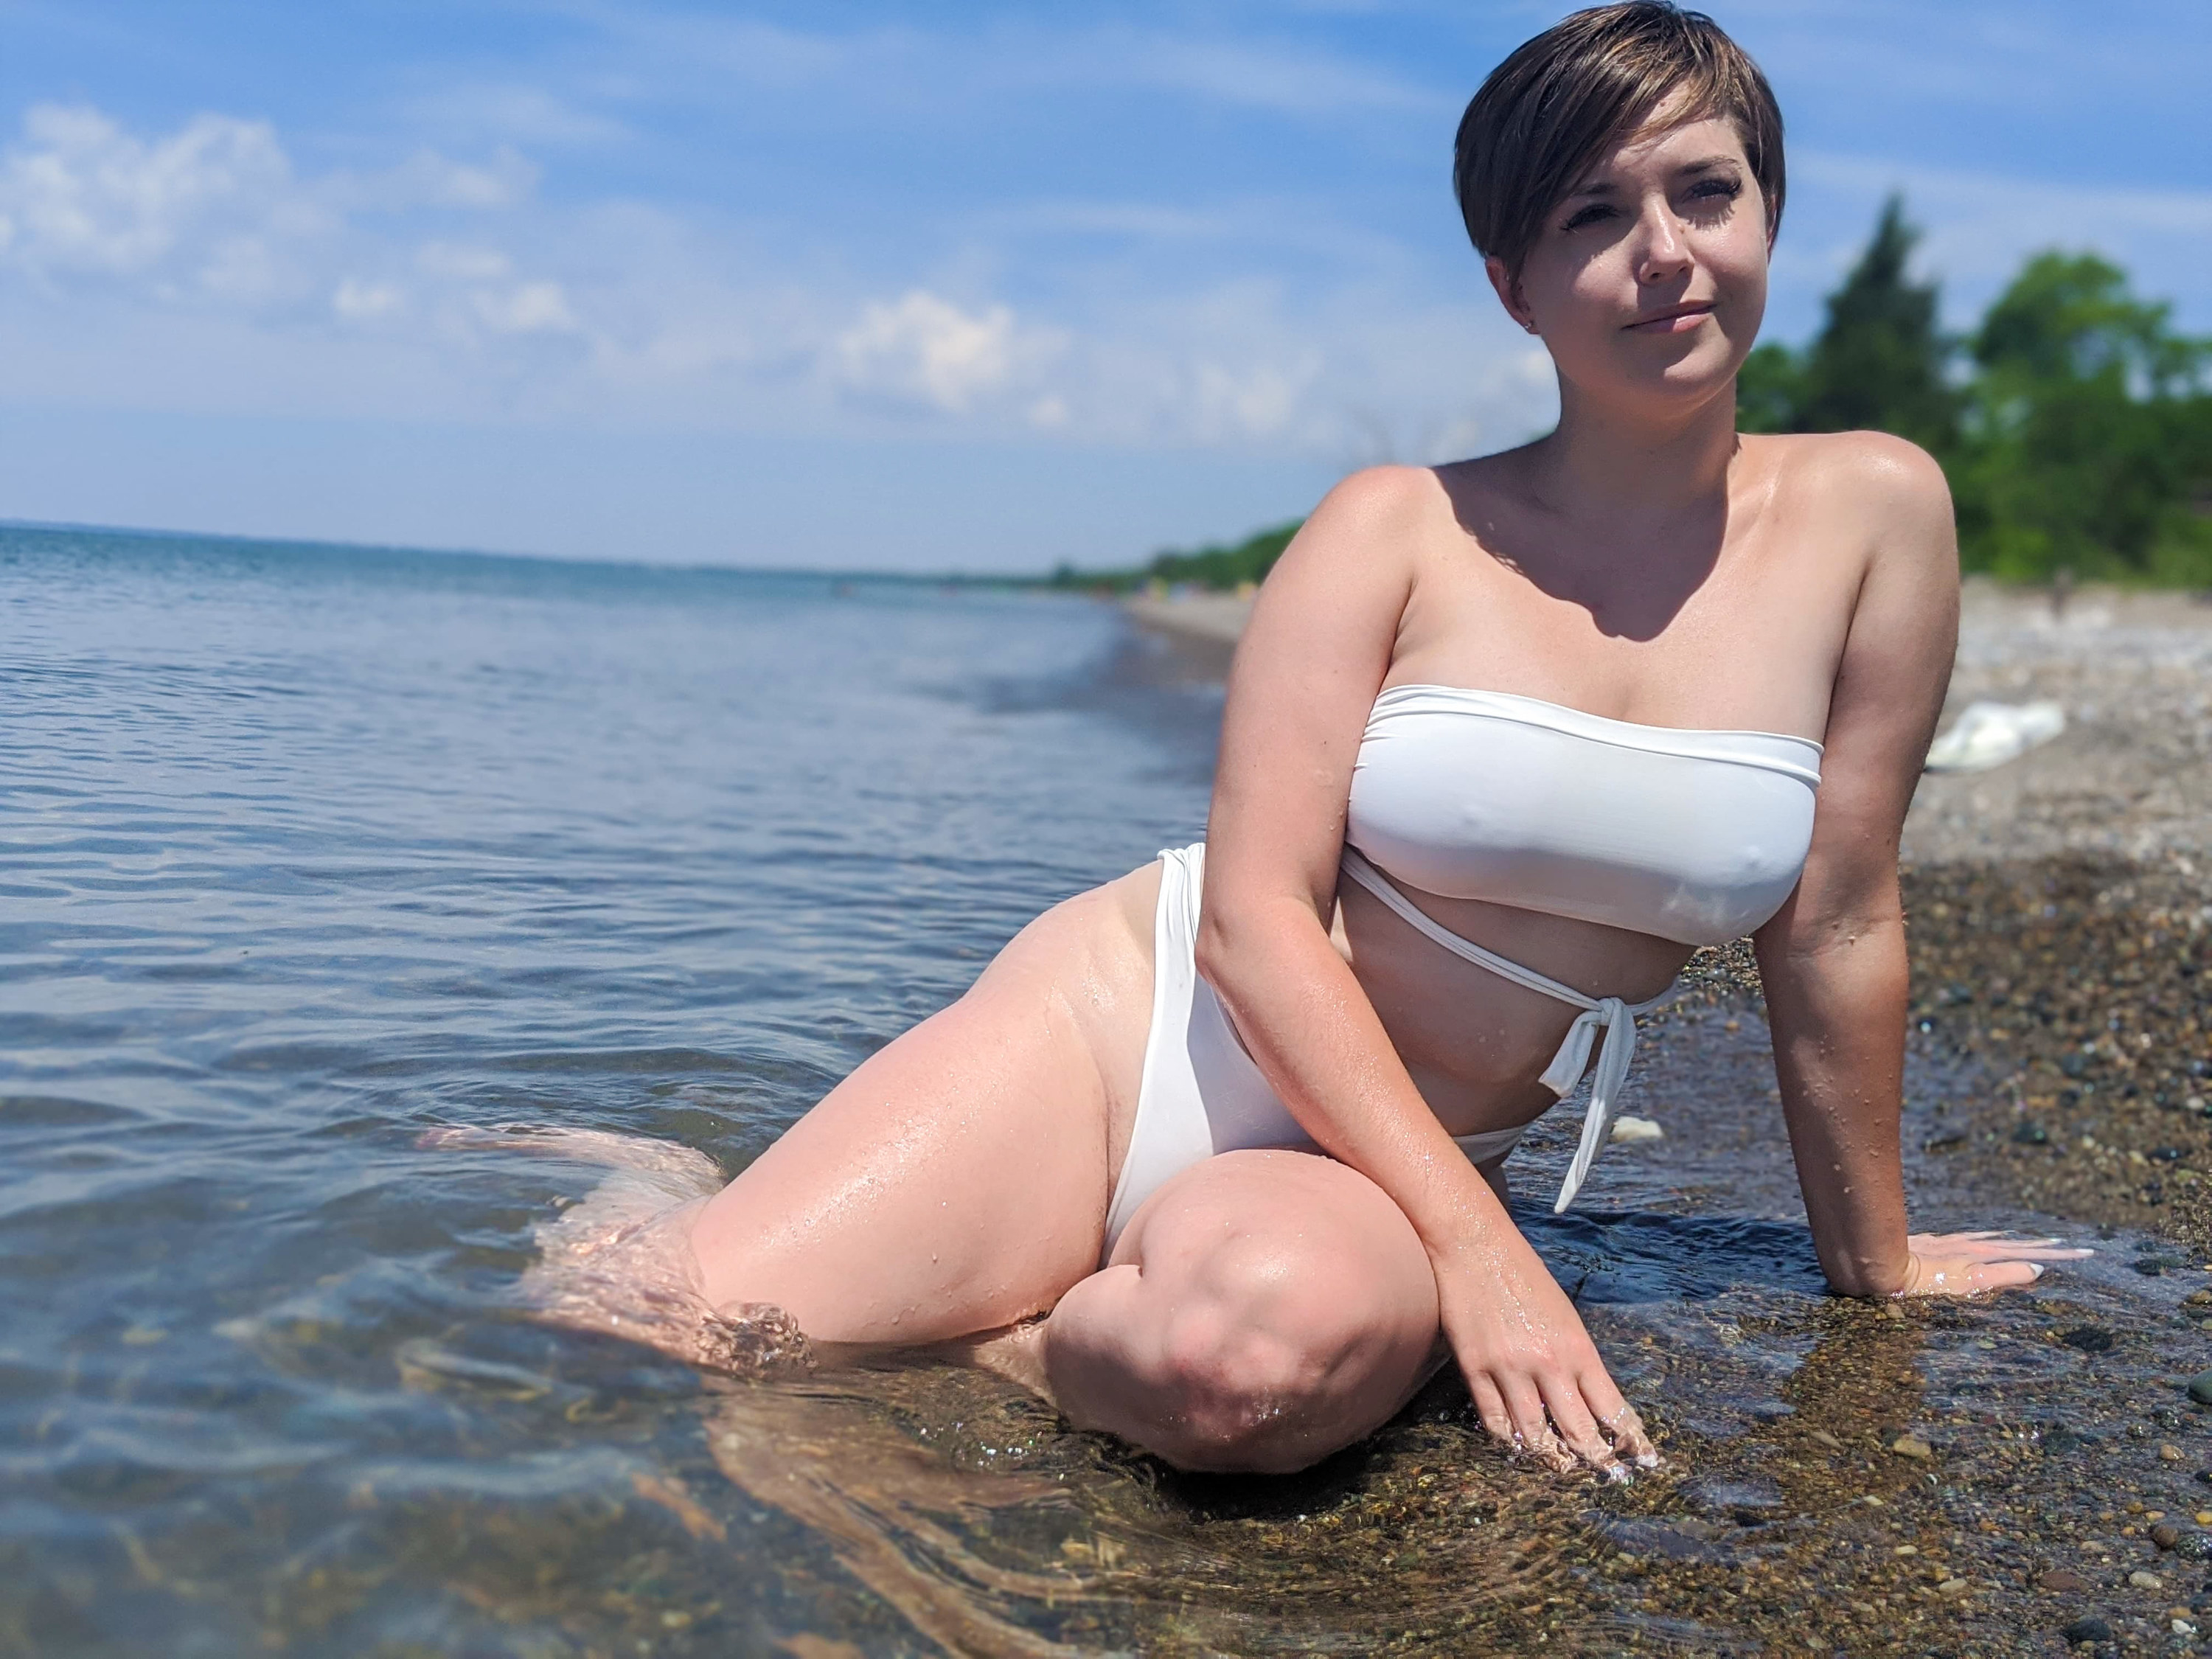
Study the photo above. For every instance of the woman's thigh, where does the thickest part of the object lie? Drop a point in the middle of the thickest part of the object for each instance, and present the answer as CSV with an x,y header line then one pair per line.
x,y
959,1180
1263,1309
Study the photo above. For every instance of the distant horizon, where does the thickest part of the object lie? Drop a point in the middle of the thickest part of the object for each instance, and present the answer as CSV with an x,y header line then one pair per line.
x,y
511,556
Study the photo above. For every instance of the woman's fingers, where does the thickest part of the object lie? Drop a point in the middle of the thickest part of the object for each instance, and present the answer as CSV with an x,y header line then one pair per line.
x,y
1578,1427
1490,1407
1563,1419
1532,1430
1617,1420
1994,1247
1968,1276
2002,1275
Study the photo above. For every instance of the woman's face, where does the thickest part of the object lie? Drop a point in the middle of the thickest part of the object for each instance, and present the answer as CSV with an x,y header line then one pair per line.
x,y
1649,281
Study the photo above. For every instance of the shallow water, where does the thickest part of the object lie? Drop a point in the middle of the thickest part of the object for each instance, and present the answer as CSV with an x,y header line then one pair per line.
x,y
309,851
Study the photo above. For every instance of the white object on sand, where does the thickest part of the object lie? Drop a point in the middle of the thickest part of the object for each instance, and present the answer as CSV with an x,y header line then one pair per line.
x,y
1990,733
1629,1127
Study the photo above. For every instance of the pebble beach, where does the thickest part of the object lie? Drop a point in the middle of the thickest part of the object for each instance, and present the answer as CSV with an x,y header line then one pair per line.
x,y
2032,1474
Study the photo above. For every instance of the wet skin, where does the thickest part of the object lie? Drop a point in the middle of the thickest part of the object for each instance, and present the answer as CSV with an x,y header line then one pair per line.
x,y
1266,1308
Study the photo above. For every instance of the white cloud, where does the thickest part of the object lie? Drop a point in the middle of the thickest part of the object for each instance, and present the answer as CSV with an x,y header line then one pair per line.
x,y
80,197
359,302
531,308
431,289
1255,401
1273,78
431,179
927,350
462,263
515,114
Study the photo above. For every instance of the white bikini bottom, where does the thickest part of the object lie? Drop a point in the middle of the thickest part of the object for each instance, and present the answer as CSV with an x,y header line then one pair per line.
x,y
1200,1093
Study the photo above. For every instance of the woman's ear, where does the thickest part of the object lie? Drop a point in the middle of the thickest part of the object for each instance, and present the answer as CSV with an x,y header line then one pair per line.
x,y
1507,288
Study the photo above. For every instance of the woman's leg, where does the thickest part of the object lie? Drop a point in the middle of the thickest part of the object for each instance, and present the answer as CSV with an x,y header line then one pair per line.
x,y
959,1180
1263,1309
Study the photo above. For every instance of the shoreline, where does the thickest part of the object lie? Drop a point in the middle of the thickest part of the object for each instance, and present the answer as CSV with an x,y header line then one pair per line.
x,y
2059,907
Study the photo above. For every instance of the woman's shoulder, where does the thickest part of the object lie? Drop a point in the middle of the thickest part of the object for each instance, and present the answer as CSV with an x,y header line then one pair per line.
x,y
1861,469
1370,523
1387,497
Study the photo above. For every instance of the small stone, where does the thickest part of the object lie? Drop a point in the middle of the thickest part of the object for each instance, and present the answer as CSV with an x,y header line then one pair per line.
x,y
1906,1549
2195,1545
1822,1437
2142,1580
2030,1134
1953,1587
2200,1387
1629,1127
2169,1454
2095,1338
2203,1517
2166,1534
2088,1630
1907,1445
2063,1580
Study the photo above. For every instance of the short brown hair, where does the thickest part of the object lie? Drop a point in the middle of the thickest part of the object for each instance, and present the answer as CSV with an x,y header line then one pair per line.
x,y
1585,85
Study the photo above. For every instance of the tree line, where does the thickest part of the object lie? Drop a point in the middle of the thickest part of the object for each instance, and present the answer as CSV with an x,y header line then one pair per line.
x,y
2074,421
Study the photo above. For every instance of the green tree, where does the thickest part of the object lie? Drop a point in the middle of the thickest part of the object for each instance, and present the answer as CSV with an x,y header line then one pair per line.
x,y
1879,363
2088,440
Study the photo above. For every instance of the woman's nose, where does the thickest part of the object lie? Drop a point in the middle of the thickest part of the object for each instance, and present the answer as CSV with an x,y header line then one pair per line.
x,y
1662,250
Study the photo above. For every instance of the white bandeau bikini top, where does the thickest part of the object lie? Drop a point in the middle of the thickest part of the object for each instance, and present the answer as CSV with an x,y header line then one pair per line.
x,y
1693,836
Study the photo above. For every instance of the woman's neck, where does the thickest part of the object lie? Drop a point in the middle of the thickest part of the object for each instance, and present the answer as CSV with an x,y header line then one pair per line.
x,y
1616,466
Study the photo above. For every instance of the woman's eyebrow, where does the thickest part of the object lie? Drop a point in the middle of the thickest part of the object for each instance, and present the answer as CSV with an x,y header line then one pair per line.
x,y
1702,164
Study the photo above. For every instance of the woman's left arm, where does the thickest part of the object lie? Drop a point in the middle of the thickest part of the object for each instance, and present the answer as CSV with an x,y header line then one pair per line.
x,y
1832,959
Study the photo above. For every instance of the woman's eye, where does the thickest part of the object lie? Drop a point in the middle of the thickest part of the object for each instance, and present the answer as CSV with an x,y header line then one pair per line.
x,y
1715,189
1588,216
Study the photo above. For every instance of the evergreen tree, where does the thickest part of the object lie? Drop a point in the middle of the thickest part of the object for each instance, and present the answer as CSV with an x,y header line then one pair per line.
x,y
1879,363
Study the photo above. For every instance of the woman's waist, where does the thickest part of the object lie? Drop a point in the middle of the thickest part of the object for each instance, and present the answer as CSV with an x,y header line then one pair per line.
x,y
1476,1040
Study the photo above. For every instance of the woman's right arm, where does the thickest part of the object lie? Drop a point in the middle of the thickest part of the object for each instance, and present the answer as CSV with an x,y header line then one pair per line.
x,y
1305,677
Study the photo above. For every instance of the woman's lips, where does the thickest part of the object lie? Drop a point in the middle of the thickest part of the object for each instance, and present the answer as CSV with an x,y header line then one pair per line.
x,y
1678,320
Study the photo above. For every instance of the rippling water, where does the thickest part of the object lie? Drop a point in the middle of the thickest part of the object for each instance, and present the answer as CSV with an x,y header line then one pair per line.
x,y
306,850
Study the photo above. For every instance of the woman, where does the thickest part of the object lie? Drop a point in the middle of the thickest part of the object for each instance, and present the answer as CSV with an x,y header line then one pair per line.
x,y
1505,739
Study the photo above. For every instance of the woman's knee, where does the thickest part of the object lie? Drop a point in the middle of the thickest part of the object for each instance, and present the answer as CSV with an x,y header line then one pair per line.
x,y
1264,1357
1241,1394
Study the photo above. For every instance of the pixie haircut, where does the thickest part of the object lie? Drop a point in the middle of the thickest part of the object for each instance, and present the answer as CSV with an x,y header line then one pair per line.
x,y
1585,86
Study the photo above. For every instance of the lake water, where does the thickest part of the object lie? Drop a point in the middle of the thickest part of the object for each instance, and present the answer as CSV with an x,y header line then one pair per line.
x,y
305,851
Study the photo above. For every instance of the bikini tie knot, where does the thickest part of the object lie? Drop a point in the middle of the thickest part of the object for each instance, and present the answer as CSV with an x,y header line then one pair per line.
x,y
1615,1016
1618,1021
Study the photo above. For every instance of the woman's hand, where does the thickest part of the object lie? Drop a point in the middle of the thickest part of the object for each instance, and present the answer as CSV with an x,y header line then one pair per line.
x,y
1966,1264
1535,1377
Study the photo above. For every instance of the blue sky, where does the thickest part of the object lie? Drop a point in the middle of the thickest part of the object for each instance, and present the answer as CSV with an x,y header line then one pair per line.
x,y
903,287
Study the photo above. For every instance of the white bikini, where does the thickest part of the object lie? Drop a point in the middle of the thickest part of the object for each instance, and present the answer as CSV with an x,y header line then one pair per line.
x,y
1693,836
